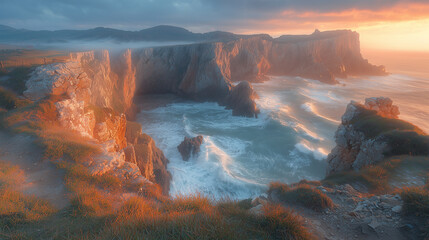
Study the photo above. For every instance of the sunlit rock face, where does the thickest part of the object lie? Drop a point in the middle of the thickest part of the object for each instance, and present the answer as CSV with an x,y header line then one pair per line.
x,y
369,132
322,56
383,106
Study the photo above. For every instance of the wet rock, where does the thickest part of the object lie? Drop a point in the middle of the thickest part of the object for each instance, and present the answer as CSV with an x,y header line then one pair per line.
x,y
242,100
190,146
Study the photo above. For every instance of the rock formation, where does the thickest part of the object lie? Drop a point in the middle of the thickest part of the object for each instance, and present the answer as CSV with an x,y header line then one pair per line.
x,y
151,161
369,132
242,100
97,88
190,146
92,106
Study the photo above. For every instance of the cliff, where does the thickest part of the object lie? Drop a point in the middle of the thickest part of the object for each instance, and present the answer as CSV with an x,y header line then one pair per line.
x,y
205,71
98,87
372,131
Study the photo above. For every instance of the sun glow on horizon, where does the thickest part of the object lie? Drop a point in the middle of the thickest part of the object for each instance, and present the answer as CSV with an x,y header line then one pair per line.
x,y
402,27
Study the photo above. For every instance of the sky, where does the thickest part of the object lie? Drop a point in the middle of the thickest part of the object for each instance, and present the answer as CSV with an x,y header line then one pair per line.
x,y
382,24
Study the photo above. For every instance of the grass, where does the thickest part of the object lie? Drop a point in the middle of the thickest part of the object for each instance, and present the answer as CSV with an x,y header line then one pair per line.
x,y
302,194
195,217
373,125
192,217
403,137
416,201
17,208
16,79
416,204
98,210
58,143
9,100
407,143
376,178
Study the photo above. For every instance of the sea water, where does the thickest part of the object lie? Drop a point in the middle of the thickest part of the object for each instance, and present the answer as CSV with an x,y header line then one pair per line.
x,y
289,140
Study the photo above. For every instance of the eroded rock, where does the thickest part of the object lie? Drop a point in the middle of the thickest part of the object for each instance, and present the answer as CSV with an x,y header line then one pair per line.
x,y
242,100
190,146
370,131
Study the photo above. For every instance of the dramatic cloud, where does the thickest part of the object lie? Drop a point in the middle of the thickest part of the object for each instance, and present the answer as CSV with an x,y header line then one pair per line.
x,y
203,15
378,21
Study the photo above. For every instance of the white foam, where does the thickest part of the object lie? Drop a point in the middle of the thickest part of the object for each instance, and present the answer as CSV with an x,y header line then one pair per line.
x,y
318,153
309,107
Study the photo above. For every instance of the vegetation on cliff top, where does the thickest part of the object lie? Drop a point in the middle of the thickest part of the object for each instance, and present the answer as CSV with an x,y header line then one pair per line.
x,y
402,137
377,178
301,193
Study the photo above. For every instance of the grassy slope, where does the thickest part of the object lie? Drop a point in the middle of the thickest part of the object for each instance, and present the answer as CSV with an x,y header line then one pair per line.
x,y
97,210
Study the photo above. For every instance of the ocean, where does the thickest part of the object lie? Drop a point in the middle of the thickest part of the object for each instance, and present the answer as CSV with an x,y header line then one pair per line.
x,y
288,142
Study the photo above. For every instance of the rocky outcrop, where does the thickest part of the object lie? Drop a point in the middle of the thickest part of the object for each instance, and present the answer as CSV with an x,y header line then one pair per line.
x,y
202,71
369,132
98,87
322,56
142,151
383,106
190,146
242,100
96,90
152,162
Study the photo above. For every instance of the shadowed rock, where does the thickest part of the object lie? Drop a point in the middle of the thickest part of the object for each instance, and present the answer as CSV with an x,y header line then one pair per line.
x,y
190,146
242,100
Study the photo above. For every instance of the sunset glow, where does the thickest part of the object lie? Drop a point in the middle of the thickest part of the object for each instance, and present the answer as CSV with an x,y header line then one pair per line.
x,y
402,27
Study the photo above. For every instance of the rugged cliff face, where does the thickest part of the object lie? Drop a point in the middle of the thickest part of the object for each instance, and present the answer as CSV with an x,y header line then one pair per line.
x,y
204,71
99,86
369,132
96,93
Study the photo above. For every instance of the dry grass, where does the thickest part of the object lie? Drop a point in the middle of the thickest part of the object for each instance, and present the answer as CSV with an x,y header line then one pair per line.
x,y
302,194
16,78
9,100
376,178
416,201
58,143
15,207
194,217
283,224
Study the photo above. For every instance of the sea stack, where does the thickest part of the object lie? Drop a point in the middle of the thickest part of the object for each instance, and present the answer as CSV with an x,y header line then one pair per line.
x,y
190,147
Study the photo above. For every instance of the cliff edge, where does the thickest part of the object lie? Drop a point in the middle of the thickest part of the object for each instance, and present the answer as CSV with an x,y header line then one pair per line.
x,y
372,131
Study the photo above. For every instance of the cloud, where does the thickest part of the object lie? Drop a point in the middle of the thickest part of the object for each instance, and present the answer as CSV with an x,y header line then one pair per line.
x,y
200,15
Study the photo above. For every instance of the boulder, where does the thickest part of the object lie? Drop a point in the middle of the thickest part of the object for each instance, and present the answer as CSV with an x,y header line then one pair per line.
x,y
241,100
190,147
